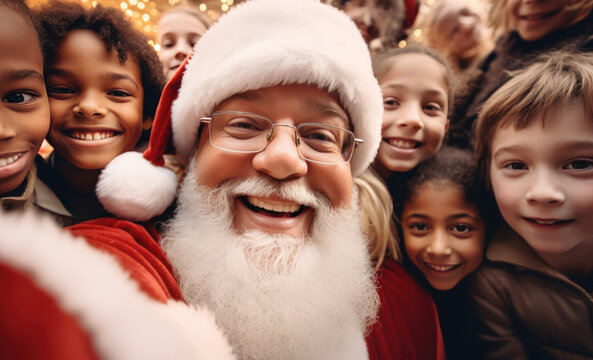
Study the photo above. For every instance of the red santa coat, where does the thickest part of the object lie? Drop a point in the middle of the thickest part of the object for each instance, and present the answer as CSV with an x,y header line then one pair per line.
x,y
92,296
407,325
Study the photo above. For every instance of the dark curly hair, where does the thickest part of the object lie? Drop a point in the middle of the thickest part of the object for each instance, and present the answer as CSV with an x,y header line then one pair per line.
x,y
452,165
57,19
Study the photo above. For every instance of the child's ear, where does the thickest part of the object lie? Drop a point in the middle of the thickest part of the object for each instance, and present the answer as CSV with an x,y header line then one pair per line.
x,y
147,123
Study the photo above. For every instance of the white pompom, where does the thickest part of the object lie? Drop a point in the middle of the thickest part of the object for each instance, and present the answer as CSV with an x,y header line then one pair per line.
x,y
132,188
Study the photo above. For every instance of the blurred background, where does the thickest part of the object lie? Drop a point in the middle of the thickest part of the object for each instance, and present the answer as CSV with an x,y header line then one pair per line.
x,y
145,13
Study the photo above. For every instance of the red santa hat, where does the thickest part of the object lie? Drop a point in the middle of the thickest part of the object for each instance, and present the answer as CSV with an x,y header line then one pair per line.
x,y
258,44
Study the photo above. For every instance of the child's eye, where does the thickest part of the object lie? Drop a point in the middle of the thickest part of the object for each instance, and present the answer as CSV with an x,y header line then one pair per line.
x,y
390,103
516,166
60,91
119,93
579,164
461,228
418,226
19,97
433,107
168,44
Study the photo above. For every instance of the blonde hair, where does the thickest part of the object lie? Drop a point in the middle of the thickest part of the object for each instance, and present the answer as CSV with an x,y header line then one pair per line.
x,y
556,79
500,21
376,212
434,38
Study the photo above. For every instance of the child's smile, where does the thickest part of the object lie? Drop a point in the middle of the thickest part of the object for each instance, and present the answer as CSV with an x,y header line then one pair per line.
x,y
542,177
95,102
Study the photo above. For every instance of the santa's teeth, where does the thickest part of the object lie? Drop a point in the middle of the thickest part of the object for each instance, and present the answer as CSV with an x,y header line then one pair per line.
x,y
9,159
288,208
405,144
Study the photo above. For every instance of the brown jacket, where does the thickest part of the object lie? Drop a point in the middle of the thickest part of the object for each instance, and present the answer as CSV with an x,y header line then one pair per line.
x,y
527,309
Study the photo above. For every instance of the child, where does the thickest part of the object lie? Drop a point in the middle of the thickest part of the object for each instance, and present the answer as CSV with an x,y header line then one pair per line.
x,y
24,115
458,31
104,82
416,88
179,30
534,291
406,307
443,211
528,28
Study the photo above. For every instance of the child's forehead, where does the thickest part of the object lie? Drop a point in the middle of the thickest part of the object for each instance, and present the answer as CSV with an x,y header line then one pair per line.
x,y
18,38
418,64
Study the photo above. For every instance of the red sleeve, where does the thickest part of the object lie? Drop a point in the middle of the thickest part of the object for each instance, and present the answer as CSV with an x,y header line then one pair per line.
x,y
407,325
34,326
137,249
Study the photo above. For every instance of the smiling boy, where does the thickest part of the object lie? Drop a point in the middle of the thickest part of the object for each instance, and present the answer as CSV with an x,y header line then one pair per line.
x,y
535,145
104,82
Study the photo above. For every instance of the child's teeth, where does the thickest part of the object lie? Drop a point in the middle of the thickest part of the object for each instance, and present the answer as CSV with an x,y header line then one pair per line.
x,y
9,159
92,135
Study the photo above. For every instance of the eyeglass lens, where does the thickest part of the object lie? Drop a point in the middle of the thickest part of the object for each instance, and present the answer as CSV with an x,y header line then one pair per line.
x,y
243,132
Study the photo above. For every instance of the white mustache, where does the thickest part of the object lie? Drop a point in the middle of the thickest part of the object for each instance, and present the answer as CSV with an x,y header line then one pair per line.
x,y
291,191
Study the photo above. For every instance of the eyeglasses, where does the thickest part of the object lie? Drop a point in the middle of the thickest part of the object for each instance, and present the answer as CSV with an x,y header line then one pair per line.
x,y
244,132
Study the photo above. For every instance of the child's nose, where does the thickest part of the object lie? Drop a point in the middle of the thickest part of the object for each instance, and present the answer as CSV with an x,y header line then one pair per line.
x,y
280,159
545,189
90,105
439,244
409,118
182,49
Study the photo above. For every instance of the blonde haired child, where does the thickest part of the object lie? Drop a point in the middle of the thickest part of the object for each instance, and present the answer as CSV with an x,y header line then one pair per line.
x,y
180,28
458,31
533,293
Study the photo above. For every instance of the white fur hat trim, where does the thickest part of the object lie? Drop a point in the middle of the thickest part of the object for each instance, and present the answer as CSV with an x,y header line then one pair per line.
x,y
265,43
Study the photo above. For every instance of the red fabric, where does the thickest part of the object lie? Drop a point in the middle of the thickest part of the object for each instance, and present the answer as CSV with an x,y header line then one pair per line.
x,y
32,324
407,325
412,7
161,128
136,248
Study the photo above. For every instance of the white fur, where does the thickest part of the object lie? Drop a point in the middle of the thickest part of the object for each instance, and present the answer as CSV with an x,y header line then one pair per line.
x,y
276,296
123,322
133,188
265,43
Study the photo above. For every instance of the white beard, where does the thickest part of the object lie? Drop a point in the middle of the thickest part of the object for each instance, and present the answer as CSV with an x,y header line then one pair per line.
x,y
275,296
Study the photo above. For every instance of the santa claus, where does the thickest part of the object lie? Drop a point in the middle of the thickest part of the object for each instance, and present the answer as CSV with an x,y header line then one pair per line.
x,y
274,114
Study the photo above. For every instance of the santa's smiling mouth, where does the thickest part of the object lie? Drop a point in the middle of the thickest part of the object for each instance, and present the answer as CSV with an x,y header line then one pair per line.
x,y
272,209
